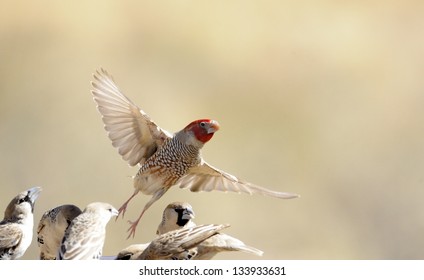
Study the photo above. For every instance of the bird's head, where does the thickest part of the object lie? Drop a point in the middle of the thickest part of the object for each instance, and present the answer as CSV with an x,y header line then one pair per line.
x,y
176,215
22,204
66,213
101,210
200,131
179,213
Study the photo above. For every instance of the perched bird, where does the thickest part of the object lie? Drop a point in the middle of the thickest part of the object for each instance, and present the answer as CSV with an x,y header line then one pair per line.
x,y
17,225
132,252
181,213
177,244
51,229
222,243
85,236
165,159
175,217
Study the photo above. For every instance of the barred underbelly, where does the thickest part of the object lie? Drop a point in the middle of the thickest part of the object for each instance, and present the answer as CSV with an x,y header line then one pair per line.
x,y
166,167
156,178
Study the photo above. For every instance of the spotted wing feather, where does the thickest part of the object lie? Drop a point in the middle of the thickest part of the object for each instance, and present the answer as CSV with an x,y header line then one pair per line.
x,y
205,177
130,129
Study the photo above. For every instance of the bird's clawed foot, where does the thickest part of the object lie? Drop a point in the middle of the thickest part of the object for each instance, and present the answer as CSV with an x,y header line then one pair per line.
x,y
122,210
132,228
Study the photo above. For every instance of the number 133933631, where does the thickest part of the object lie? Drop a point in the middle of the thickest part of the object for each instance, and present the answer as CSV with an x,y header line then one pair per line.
x,y
259,270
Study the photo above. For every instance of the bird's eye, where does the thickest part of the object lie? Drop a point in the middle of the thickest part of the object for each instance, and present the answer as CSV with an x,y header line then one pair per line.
x,y
202,124
22,200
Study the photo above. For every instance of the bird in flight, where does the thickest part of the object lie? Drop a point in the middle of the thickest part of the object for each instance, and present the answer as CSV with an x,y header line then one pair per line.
x,y
165,159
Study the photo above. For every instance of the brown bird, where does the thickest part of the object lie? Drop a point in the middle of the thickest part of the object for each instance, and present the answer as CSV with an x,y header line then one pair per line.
x,y
51,229
132,252
17,225
165,159
175,217
182,213
177,244
85,236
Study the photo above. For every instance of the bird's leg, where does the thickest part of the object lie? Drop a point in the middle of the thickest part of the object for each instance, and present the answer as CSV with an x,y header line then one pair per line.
x,y
123,208
134,224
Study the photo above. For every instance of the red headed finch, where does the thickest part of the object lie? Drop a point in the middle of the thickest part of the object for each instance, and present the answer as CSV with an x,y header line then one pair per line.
x,y
165,159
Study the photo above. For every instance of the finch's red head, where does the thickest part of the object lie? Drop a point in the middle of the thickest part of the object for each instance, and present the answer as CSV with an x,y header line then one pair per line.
x,y
203,129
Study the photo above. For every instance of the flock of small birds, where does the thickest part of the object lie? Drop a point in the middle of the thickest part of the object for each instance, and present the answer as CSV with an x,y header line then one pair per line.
x,y
165,160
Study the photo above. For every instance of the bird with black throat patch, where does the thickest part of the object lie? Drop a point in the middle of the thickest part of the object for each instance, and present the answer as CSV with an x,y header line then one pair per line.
x,y
179,215
16,228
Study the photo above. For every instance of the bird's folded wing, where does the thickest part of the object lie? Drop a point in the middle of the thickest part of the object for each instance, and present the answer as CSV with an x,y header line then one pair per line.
x,y
187,238
87,246
131,130
10,236
205,177
40,226
169,245
224,242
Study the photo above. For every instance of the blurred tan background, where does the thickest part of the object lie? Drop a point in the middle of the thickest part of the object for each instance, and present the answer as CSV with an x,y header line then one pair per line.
x,y
314,97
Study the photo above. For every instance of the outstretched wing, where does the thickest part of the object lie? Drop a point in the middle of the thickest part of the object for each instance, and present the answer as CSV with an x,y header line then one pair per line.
x,y
131,130
205,177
